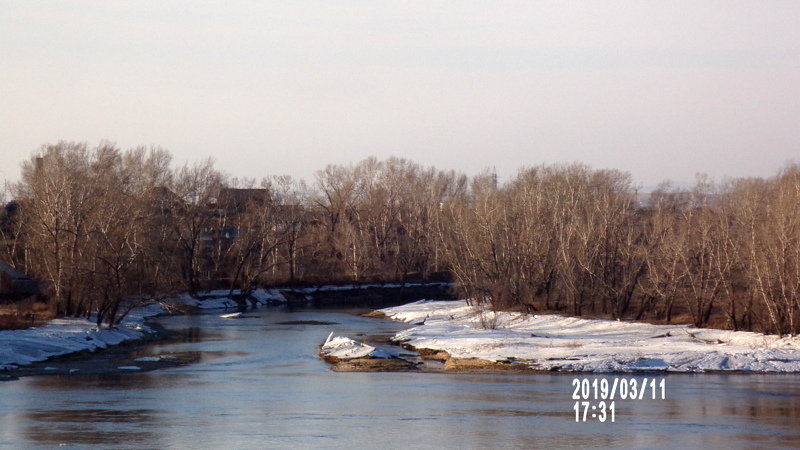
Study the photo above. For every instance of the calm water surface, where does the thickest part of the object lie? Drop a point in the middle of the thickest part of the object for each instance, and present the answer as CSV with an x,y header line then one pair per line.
x,y
260,384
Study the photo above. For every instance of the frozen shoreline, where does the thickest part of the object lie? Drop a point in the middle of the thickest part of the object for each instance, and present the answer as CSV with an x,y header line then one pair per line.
x,y
61,337
552,342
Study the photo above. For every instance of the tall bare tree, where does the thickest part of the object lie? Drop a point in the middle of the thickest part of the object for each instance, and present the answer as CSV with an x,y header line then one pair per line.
x,y
196,186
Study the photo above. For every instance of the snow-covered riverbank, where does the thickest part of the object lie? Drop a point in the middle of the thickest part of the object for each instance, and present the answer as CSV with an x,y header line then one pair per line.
x,y
552,342
65,336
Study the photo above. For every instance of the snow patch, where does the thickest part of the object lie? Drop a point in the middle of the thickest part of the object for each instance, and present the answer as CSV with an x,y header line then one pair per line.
x,y
268,296
345,348
553,342
217,303
64,336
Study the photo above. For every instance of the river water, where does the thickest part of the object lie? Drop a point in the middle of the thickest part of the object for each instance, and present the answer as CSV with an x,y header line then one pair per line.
x,y
260,384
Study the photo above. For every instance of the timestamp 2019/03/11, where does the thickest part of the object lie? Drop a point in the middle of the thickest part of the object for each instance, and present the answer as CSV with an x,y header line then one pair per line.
x,y
595,399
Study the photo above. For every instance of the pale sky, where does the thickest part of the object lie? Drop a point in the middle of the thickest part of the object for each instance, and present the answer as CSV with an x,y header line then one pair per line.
x,y
661,89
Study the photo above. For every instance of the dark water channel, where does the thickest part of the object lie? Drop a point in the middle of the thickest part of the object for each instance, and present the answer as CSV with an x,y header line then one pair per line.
x,y
260,384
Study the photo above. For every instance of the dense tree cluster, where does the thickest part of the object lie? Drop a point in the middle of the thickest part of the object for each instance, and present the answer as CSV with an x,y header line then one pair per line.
x,y
103,227
572,239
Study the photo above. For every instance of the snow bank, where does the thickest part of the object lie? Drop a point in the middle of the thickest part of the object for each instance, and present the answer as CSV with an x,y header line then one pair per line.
x,y
206,303
340,347
64,336
552,342
268,296
218,299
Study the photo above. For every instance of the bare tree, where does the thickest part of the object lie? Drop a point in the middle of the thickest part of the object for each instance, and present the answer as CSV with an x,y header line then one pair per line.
x,y
196,186
768,214
58,193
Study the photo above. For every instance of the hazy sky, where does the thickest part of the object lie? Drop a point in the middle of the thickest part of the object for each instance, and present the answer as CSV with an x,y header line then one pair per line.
x,y
662,89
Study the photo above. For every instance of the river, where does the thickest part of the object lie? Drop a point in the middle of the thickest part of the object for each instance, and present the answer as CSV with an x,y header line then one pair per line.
x,y
260,384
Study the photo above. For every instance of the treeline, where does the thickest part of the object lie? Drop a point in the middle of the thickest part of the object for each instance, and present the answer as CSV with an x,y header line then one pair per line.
x,y
572,239
103,227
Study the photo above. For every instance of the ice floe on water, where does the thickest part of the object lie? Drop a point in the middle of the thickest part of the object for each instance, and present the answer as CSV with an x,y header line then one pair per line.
x,y
343,348
148,359
554,342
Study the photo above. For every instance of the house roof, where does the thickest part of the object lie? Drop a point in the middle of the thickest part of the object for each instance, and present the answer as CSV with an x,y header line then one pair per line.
x,y
240,198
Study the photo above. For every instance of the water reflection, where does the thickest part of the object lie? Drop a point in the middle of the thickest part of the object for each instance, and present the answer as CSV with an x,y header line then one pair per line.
x,y
192,334
111,381
92,426
79,410
94,415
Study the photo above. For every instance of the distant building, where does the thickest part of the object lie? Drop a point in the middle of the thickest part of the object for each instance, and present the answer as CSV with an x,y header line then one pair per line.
x,y
15,285
232,201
